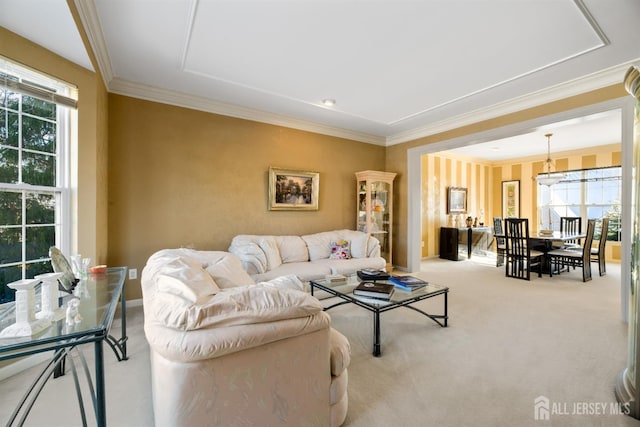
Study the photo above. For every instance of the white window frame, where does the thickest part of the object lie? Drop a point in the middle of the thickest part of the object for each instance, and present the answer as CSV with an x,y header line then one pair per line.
x,y
583,205
64,96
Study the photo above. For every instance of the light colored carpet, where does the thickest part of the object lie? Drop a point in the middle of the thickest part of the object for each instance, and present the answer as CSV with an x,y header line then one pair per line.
x,y
508,342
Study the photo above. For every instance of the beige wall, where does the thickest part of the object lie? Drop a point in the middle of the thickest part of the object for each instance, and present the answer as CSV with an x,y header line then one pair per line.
x,y
168,161
440,171
90,194
180,177
396,159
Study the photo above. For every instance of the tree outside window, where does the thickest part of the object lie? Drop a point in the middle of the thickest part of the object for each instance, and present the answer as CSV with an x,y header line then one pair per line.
x,y
30,185
589,194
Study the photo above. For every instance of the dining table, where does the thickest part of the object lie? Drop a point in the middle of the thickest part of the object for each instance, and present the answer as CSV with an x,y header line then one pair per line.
x,y
562,236
554,236
543,242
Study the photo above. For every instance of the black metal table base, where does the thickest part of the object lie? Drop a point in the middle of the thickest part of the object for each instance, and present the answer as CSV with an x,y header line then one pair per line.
x,y
119,347
440,319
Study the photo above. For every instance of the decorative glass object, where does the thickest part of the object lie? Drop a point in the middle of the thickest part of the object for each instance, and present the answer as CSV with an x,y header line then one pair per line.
x,y
80,266
84,269
76,264
25,306
61,265
73,316
49,306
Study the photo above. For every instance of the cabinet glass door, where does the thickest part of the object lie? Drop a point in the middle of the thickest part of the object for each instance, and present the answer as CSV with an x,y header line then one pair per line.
x,y
373,212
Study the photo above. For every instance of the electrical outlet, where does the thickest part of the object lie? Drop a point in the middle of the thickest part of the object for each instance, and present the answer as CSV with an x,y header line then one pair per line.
x,y
133,273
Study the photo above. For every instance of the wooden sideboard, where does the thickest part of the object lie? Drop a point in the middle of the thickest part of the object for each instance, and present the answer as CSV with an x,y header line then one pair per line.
x,y
451,238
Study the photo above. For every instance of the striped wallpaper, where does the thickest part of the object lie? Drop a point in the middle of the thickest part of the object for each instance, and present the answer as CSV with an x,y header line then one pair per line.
x,y
483,181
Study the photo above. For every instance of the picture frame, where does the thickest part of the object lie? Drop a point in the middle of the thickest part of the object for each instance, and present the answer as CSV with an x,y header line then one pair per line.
x,y
293,190
456,200
511,199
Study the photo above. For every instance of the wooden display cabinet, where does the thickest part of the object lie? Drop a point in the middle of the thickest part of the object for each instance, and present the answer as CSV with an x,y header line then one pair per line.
x,y
375,208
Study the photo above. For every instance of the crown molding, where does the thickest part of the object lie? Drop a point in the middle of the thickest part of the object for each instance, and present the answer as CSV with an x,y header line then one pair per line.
x,y
91,23
164,96
575,87
89,18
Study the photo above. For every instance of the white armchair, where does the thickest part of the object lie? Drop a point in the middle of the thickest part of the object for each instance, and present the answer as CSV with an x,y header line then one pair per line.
x,y
227,351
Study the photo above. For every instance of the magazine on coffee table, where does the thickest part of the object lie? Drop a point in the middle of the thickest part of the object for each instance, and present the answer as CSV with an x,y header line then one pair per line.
x,y
407,283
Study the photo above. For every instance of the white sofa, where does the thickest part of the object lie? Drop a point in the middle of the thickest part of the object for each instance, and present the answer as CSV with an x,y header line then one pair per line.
x,y
228,351
308,257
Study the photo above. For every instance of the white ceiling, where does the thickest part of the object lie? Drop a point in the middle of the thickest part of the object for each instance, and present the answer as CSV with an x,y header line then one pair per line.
x,y
398,69
32,19
576,134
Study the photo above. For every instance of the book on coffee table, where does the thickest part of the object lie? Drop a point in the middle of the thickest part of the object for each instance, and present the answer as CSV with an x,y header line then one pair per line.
x,y
407,283
336,278
369,274
374,290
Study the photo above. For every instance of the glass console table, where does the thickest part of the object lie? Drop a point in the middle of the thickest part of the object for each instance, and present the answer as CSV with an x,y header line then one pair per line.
x,y
99,296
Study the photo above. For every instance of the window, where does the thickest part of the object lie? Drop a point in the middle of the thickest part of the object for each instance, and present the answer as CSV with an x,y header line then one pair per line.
x,y
34,195
587,193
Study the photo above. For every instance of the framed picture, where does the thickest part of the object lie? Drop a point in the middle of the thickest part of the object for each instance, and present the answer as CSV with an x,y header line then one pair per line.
x,y
511,199
456,200
293,190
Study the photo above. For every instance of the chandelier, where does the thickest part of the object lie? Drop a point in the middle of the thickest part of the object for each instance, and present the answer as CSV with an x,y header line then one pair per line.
x,y
549,178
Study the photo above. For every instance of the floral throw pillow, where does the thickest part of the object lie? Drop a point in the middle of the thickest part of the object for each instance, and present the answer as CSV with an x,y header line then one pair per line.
x,y
340,250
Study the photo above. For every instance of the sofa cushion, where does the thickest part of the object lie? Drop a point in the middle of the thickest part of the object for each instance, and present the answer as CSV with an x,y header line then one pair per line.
x,y
358,240
234,306
340,352
292,249
245,247
338,387
290,281
319,244
304,270
186,279
270,247
350,266
227,272
340,249
339,411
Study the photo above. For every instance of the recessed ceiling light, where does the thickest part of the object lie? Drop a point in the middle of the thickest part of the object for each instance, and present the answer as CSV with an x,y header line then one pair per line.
x,y
328,102
494,148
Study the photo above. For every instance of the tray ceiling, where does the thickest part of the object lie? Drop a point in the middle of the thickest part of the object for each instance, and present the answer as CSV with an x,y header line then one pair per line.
x,y
397,70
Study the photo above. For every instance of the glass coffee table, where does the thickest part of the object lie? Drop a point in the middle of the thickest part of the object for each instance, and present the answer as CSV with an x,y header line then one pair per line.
x,y
399,298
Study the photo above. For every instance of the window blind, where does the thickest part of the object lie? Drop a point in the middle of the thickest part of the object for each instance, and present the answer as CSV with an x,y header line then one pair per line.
x,y
38,92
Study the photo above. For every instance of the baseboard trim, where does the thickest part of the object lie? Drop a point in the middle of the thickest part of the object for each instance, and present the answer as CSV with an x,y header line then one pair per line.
x,y
23,364
134,302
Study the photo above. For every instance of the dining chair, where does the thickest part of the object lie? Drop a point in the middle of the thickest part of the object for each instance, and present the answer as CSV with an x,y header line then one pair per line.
x,y
576,257
501,246
598,254
571,224
519,256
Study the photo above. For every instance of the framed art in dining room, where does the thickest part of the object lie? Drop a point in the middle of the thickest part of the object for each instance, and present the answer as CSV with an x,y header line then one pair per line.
x,y
293,190
511,199
456,200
